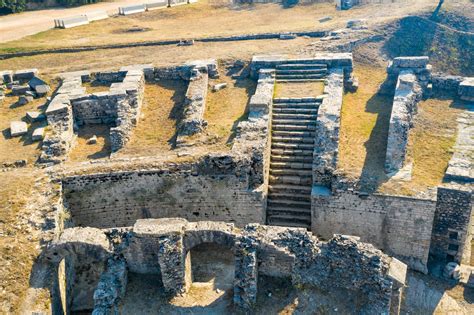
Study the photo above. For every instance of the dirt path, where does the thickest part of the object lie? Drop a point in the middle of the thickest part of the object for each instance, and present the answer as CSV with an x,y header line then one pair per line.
x,y
16,26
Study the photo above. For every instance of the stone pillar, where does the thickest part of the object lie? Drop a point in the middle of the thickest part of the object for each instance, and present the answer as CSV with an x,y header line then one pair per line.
x,y
172,260
451,225
246,273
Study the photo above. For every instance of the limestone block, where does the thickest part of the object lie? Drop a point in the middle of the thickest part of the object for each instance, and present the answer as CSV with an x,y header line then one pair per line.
x,y
218,87
20,89
411,62
6,76
35,116
23,100
38,134
25,75
18,128
287,36
466,89
156,5
357,24
92,140
325,19
72,21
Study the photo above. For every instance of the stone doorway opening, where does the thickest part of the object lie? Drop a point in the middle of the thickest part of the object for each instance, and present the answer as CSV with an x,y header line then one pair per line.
x,y
210,271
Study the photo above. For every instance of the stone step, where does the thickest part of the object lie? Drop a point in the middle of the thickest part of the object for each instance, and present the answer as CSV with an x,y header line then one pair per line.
x,y
300,71
282,209
300,76
294,116
291,159
292,165
287,179
292,172
296,66
291,196
285,188
305,106
286,100
305,122
293,134
289,221
285,202
293,128
295,110
292,152
302,146
298,80
295,139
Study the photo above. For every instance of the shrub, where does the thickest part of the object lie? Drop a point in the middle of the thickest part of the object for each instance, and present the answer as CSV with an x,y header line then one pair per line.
x,y
12,6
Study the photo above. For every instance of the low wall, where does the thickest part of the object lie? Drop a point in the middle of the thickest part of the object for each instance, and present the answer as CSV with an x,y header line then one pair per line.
x,y
113,200
400,226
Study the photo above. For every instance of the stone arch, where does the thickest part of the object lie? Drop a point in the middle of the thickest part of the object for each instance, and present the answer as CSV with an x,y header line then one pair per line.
x,y
79,251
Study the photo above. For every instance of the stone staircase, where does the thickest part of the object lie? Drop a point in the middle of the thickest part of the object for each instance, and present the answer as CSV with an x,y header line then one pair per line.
x,y
290,181
300,72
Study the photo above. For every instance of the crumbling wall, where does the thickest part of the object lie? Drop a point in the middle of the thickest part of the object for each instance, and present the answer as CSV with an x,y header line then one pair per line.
x,y
412,75
326,149
60,139
452,224
215,188
400,226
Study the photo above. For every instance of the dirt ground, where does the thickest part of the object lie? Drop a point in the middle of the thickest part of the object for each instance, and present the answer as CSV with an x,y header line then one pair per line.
x,y
204,19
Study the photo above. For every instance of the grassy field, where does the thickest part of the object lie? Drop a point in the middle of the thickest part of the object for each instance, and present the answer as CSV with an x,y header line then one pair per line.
x,y
364,129
17,246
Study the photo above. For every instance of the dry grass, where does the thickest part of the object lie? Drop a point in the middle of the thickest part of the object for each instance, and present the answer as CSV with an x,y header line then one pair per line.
x,y
203,19
298,89
17,148
225,108
430,145
157,125
95,87
17,244
83,151
364,128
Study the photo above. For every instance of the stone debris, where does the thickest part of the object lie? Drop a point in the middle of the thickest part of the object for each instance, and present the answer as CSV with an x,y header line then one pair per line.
x,y
23,100
6,77
18,90
18,128
452,271
325,19
218,87
189,42
38,134
92,140
359,24
39,86
132,9
25,75
34,116
466,89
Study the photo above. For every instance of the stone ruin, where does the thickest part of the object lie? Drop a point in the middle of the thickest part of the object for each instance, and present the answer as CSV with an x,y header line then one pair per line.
x,y
281,171
103,258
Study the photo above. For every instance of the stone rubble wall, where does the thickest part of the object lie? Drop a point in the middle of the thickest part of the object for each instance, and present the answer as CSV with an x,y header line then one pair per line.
x,y
413,75
128,96
111,287
184,72
218,187
96,108
366,272
328,124
400,226
452,224
193,121
60,139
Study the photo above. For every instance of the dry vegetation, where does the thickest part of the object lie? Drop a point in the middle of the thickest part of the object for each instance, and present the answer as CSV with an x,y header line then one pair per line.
x,y
157,125
298,89
18,247
225,108
202,20
82,151
364,129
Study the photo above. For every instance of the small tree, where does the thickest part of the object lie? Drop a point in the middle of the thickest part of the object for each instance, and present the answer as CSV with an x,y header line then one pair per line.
x,y
434,16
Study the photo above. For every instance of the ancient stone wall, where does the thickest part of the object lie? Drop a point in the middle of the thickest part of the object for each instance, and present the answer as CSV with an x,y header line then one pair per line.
x,y
400,226
216,188
328,124
452,224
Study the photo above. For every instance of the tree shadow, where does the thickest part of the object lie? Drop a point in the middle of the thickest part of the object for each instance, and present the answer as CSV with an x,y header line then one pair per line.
x,y
373,175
